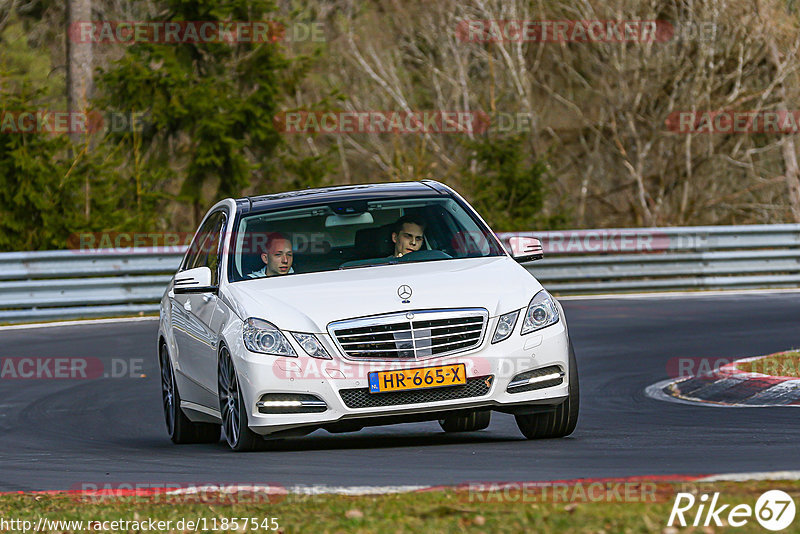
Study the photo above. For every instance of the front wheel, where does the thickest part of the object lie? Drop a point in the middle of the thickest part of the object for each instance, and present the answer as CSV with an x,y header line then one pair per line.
x,y
231,406
180,429
560,422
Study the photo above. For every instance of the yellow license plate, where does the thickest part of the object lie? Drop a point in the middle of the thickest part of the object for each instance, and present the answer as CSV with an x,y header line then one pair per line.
x,y
426,377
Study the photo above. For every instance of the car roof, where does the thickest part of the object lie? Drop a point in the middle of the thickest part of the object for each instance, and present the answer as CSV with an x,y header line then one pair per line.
x,y
292,199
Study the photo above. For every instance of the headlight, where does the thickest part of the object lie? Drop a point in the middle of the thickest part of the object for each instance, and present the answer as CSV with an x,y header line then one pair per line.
x,y
505,326
312,346
261,336
542,312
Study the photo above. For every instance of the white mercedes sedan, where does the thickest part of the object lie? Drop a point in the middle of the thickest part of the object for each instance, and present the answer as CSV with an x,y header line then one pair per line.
x,y
346,307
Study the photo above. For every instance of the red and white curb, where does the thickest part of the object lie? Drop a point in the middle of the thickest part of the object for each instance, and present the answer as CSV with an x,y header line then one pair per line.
x,y
730,387
283,491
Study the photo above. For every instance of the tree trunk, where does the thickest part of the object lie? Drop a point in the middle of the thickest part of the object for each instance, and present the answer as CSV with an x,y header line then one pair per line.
x,y
791,171
79,72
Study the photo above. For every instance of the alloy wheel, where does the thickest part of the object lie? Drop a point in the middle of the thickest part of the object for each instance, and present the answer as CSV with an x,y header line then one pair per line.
x,y
167,392
229,398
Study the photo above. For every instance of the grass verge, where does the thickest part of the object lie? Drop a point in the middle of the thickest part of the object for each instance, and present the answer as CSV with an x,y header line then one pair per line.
x,y
780,364
573,508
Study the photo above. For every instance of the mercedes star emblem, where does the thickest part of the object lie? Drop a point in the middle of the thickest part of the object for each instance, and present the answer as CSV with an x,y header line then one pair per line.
x,y
404,292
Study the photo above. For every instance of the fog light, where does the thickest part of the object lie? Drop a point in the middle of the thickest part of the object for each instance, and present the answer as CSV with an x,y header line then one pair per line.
x,y
536,379
289,403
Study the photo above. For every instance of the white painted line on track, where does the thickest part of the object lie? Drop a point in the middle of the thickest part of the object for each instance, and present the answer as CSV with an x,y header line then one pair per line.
x,y
299,489
79,322
682,294
742,477
353,490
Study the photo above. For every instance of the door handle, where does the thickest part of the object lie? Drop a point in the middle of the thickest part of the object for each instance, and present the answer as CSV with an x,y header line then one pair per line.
x,y
187,305
208,298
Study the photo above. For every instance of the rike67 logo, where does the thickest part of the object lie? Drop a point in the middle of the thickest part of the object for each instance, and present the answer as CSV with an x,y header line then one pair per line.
x,y
774,510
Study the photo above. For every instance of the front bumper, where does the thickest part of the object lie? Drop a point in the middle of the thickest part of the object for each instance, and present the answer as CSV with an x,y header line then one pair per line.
x,y
343,384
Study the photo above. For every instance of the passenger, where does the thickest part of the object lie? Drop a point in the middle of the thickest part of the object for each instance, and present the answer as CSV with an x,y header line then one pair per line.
x,y
407,235
277,256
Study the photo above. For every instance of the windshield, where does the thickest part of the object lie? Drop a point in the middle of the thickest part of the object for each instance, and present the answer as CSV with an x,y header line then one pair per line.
x,y
357,234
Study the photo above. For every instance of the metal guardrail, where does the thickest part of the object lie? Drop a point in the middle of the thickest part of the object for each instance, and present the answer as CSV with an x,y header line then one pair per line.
x,y
68,284
667,259
42,286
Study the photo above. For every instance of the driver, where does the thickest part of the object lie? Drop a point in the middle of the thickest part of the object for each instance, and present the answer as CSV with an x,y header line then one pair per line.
x,y
277,256
407,235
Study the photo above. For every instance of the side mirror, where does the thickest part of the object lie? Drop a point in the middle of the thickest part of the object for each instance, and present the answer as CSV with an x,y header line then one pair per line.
x,y
525,248
197,280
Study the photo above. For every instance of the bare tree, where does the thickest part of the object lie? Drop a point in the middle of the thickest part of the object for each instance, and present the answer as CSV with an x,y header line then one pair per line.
x,y
597,110
79,73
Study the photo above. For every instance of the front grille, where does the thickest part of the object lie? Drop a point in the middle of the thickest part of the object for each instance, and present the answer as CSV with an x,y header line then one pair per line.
x,y
361,397
410,335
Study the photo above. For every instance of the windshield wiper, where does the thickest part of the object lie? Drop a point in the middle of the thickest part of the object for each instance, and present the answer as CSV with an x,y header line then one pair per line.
x,y
420,260
390,262
398,261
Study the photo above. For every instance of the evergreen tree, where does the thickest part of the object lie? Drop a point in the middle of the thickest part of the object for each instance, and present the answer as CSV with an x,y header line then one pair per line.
x,y
210,105
509,188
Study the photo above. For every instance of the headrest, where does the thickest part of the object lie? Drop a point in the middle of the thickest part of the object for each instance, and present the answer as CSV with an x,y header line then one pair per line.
x,y
374,242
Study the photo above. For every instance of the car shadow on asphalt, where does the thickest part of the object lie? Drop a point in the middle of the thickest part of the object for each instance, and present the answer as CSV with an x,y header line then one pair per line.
x,y
320,441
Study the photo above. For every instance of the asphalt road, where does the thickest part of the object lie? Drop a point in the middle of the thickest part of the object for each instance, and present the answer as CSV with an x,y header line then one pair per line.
x,y
56,434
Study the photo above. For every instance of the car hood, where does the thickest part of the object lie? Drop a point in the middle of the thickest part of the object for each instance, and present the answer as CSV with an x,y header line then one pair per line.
x,y
309,302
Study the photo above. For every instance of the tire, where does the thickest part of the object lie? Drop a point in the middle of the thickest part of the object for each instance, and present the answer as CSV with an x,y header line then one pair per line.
x,y
233,410
179,428
560,422
477,420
